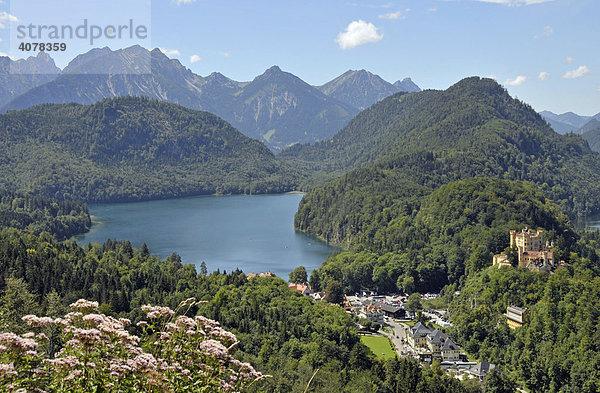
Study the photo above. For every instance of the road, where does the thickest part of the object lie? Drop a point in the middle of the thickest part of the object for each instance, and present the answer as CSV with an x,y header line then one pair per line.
x,y
399,337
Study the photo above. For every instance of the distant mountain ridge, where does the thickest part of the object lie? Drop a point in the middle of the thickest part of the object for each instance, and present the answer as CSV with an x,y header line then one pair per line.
x,y
19,76
407,85
565,122
277,107
361,89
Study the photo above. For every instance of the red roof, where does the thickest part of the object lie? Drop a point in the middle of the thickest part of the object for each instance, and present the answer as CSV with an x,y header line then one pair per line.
x,y
299,287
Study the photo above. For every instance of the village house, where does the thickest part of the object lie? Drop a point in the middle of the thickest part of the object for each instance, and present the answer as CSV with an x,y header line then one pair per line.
x,y
372,312
481,370
393,311
450,351
435,340
439,344
302,288
477,370
417,335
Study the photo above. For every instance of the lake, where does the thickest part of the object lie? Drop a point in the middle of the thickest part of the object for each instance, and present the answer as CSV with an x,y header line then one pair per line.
x,y
253,233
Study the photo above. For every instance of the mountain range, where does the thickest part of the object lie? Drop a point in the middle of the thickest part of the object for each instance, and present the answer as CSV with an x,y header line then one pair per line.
x,y
276,107
20,76
587,126
416,142
361,89
567,122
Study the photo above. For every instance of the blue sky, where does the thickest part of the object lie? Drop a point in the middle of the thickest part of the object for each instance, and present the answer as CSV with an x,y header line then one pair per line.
x,y
544,51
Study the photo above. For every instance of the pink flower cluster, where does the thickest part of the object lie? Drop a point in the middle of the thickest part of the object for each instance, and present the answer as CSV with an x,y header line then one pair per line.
x,y
84,305
172,352
17,343
154,312
34,321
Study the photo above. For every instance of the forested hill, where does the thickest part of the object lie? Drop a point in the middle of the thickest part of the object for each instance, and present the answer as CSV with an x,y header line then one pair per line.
x,y
474,128
129,148
280,332
402,239
37,214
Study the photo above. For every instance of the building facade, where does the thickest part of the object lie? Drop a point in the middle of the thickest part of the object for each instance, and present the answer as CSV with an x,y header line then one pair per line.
x,y
532,252
515,316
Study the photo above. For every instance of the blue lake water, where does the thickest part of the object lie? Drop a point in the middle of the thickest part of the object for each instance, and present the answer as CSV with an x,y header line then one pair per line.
x,y
252,233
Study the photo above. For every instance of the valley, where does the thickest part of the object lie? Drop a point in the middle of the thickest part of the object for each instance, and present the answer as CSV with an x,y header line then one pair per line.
x,y
283,219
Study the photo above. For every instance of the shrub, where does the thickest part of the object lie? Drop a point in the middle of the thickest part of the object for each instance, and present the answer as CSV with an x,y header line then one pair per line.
x,y
86,351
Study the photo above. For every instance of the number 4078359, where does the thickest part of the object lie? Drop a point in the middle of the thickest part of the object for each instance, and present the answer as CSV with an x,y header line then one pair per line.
x,y
42,46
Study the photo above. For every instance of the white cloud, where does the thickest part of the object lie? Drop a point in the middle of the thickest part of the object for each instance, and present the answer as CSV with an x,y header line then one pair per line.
x,y
358,33
170,52
577,73
598,89
492,76
225,54
514,3
179,2
391,15
542,76
518,81
6,17
395,15
548,31
432,9
6,55
195,59
569,59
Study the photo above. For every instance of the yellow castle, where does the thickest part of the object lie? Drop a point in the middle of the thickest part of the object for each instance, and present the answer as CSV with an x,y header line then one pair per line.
x,y
533,253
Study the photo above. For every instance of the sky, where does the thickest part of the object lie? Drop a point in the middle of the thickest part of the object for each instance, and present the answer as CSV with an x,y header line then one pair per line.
x,y
545,52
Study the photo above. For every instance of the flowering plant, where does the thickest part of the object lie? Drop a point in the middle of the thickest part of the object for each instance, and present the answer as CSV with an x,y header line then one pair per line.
x,y
174,353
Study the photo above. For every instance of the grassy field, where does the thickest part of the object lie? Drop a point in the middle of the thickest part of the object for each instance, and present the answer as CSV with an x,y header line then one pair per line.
x,y
380,346
435,304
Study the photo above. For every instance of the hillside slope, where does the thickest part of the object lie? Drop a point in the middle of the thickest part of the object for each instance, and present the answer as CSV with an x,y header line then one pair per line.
x,y
127,149
474,128
427,240
591,133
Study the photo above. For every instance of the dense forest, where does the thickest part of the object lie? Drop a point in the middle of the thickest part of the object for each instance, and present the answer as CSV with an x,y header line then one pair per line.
x,y
281,332
474,128
558,349
404,241
445,241
131,148
39,214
